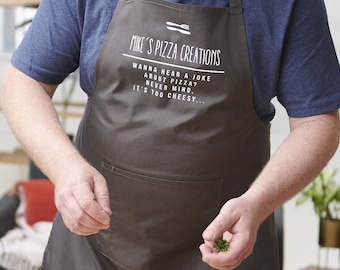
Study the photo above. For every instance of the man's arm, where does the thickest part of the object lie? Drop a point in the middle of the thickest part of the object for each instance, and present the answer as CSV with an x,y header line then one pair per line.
x,y
300,157
81,194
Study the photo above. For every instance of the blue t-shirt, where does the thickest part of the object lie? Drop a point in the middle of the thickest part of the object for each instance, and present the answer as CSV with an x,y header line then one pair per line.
x,y
290,48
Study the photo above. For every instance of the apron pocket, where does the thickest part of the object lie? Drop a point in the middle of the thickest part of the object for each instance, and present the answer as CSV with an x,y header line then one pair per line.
x,y
156,221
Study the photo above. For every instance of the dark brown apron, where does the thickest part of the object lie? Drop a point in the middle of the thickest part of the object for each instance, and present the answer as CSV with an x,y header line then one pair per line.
x,y
172,127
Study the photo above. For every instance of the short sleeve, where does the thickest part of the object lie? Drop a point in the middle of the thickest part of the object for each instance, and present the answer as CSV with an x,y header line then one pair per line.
x,y
310,74
50,49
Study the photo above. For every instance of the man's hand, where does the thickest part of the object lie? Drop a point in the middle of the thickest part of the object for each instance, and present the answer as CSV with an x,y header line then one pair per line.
x,y
298,160
236,217
82,198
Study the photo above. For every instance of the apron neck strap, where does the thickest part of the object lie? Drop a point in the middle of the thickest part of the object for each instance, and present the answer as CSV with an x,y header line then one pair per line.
x,y
235,6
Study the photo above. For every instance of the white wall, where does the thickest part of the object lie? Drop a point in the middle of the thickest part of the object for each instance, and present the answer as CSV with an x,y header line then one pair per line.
x,y
10,18
333,10
300,223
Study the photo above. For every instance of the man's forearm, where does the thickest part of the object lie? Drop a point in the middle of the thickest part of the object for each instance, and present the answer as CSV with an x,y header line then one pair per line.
x,y
301,156
30,112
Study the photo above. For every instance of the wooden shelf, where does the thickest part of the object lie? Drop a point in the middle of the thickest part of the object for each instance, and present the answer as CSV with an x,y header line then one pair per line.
x,y
19,2
18,156
317,268
73,105
76,113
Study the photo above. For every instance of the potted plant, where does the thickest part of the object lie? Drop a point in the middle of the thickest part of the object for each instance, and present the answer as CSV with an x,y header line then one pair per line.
x,y
324,192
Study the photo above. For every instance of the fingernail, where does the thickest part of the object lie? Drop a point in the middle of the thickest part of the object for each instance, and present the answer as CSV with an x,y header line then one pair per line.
x,y
107,210
209,235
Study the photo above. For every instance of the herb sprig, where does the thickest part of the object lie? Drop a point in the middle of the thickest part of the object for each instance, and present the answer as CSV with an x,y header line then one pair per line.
x,y
222,245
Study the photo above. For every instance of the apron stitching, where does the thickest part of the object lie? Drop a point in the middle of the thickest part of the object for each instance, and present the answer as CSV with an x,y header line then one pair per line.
x,y
235,7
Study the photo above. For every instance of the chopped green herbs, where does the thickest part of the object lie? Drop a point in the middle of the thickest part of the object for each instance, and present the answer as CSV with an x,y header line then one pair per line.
x,y
222,245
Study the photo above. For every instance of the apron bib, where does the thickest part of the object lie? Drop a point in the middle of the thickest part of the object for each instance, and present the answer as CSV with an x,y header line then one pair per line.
x,y
172,127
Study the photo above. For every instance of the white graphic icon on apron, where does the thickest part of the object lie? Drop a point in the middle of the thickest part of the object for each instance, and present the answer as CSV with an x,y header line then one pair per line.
x,y
182,28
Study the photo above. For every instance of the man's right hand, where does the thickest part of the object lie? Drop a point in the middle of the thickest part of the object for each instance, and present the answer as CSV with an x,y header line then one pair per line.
x,y
82,198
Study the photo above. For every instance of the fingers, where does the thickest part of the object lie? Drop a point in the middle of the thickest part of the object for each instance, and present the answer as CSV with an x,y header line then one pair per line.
x,y
102,196
78,221
84,205
217,228
96,211
241,246
241,225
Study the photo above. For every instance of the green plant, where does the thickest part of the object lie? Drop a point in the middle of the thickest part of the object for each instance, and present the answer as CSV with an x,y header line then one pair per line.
x,y
222,245
324,192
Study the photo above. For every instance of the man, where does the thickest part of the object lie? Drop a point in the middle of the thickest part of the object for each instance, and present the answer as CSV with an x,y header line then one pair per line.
x,y
175,137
